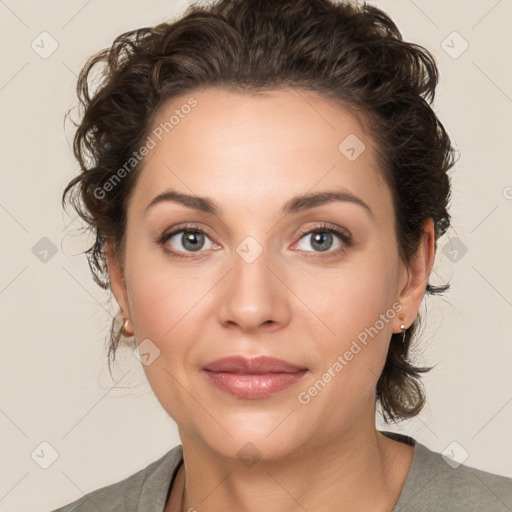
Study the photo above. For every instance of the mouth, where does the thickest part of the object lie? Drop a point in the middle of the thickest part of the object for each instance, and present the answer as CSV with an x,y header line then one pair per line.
x,y
253,378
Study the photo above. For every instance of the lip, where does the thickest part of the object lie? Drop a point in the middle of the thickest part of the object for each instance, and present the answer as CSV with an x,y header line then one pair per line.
x,y
253,378
254,365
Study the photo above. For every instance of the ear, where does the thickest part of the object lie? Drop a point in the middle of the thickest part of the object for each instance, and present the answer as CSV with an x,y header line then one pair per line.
x,y
418,272
117,282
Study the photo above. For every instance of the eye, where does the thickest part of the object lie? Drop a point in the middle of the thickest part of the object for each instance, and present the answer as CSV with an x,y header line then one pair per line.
x,y
187,239
321,239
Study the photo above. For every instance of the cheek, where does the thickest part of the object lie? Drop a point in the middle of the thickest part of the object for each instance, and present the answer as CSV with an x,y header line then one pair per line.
x,y
167,308
155,306
164,311
356,294
360,312
161,296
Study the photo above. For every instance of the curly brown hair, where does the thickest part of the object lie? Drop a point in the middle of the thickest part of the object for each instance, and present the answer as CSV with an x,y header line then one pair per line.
x,y
352,54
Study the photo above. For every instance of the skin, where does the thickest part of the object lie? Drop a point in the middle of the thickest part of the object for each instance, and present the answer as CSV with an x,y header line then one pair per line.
x,y
250,154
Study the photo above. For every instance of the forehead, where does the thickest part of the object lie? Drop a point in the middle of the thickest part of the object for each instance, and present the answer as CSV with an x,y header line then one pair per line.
x,y
259,148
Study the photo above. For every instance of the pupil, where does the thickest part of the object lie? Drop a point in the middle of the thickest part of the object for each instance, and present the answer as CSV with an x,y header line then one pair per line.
x,y
319,237
192,239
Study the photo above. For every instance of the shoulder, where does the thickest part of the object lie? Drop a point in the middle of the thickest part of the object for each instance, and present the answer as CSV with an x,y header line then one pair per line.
x,y
436,482
144,490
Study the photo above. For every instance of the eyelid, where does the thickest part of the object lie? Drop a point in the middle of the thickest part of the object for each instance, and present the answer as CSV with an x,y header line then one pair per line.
x,y
327,226
186,227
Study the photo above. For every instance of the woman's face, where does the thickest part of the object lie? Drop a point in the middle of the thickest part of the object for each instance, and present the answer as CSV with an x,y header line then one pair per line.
x,y
254,283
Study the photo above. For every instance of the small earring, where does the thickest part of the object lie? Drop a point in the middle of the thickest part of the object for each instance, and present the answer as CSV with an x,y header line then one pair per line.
x,y
125,327
403,333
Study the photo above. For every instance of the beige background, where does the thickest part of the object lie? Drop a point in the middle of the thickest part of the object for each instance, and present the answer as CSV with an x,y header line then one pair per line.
x,y
54,383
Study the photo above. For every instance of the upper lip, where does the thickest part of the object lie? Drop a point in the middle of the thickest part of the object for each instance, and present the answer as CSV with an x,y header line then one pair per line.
x,y
254,365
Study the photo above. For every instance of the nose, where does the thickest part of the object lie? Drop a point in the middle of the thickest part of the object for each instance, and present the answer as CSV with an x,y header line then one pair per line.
x,y
254,295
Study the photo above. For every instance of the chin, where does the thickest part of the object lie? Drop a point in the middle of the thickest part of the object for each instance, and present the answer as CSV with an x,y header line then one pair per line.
x,y
250,437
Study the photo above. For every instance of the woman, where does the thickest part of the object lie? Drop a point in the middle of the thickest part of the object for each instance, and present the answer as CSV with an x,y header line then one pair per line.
x,y
267,183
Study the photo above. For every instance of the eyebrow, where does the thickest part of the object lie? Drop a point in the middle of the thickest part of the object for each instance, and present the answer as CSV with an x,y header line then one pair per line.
x,y
294,205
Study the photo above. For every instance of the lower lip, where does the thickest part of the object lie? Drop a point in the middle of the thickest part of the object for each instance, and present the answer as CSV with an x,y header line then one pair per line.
x,y
254,386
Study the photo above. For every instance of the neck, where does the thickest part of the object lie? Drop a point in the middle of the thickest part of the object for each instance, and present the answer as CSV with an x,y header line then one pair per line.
x,y
363,472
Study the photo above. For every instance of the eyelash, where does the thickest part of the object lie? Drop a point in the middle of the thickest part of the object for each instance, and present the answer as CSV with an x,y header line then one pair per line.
x,y
322,228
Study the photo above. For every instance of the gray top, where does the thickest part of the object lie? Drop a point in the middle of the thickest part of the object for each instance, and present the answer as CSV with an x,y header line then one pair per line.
x,y
432,485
